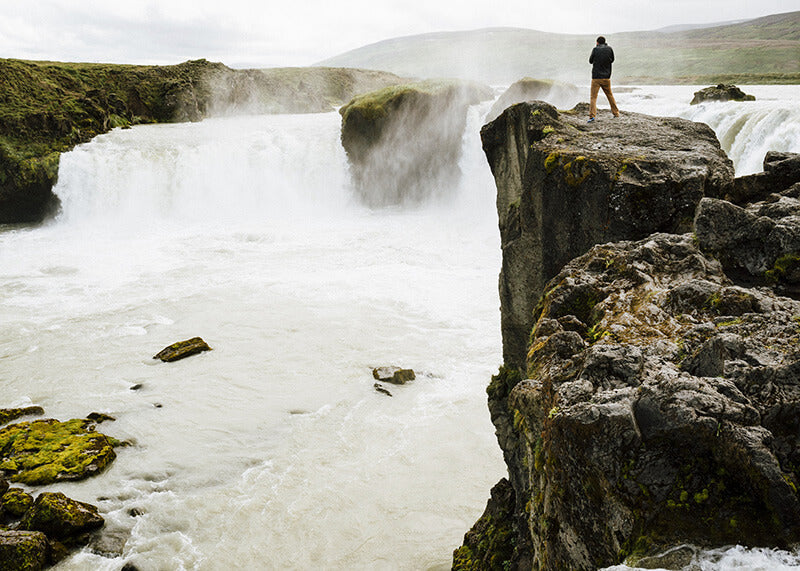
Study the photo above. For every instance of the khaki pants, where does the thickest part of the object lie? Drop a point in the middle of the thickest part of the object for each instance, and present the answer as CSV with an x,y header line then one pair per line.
x,y
605,85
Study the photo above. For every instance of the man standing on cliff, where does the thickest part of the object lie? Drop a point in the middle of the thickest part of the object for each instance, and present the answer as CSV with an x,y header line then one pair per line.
x,y
601,59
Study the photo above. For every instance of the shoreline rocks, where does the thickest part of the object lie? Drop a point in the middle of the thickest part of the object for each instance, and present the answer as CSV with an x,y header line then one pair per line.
x,y
45,451
44,533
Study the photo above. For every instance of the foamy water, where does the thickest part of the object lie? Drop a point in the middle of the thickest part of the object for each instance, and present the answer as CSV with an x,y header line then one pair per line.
x,y
273,451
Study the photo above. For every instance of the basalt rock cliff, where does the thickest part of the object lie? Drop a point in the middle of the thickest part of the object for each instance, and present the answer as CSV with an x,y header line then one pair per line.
x,y
653,400
564,185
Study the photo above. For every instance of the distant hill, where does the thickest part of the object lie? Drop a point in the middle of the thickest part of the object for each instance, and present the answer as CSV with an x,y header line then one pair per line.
x,y
763,50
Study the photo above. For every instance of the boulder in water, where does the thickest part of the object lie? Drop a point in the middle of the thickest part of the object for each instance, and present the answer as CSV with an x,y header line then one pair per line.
x,y
182,349
394,375
60,517
721,92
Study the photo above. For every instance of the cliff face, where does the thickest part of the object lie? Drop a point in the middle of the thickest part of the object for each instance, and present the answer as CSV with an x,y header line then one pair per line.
x,y
564,185
651,393
47,108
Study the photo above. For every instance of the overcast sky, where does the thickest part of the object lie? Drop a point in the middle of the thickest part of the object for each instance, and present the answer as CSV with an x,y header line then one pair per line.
x,y
245,33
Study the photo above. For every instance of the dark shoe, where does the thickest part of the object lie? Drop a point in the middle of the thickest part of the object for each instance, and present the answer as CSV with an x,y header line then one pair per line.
x,y
591,120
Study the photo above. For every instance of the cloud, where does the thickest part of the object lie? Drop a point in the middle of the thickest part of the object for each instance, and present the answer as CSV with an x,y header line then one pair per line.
x,y
248,33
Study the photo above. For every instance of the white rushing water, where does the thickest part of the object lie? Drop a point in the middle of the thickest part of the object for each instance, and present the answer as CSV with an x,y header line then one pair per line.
x,y
274,451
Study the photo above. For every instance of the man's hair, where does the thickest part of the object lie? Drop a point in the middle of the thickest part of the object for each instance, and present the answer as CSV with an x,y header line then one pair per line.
x,y
601,40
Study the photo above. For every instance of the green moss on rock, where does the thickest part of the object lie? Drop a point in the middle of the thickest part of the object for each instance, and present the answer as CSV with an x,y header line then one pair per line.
x,y
22,550
15,502
61,517
46,451
9,414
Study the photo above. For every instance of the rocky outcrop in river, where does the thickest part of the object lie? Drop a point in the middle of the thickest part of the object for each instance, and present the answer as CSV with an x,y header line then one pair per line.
x,y
651,398
404,142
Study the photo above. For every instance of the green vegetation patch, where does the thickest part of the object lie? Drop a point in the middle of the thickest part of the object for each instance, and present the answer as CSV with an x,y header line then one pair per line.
x,y
46,451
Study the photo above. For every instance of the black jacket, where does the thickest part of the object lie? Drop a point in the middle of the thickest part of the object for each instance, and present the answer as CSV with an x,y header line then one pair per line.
x,y
601,59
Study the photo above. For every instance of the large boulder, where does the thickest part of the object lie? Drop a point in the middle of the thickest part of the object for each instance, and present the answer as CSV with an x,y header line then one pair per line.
x,y
564,185
45,451
658,406
403,143
557,93
720,92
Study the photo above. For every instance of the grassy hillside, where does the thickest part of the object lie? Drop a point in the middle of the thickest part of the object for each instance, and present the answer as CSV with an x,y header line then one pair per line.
x,y
764,50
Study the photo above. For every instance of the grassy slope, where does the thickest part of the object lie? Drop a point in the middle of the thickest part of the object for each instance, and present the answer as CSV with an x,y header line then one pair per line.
x,y
765,50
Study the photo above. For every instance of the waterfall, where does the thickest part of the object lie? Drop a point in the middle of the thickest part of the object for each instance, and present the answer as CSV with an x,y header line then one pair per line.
x,y
746,129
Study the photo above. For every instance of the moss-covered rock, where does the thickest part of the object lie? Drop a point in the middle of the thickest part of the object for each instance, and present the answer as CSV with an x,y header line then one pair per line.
x,y
46,451
22,550
490,544
15,502
182,349
60,517
9,414
403,142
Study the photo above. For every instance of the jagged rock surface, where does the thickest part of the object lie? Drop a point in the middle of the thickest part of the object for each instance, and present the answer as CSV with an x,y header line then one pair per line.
x,y
660,407
564,185
759,243
403,143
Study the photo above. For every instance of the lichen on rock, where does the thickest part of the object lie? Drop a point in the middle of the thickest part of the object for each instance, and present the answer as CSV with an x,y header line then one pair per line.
x,y
46,451
22,550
